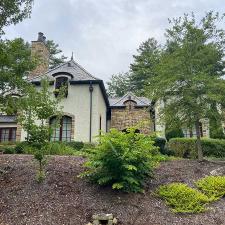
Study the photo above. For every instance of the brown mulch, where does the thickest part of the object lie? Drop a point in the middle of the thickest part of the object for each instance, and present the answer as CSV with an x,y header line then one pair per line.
x,y
64,199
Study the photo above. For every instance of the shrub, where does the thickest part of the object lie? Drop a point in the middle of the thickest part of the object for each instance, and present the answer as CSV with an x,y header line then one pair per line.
x,y
8,150
77,145
212,186
186,147
182,198
58,148
122,160
160,143
174,133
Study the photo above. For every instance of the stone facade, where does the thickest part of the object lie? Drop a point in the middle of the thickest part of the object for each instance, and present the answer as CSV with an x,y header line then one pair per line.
x,y
40,51
131,115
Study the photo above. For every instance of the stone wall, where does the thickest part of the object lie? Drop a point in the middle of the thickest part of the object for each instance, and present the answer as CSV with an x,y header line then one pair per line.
x,y
40,51
130,115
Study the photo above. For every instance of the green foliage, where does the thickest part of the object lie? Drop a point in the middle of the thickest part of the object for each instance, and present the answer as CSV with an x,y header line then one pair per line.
x,y
119,85
144,64
14,11
183,199
189,76
55,58
15,63
59,148
160,143
8,150
212,186
122,160
76,145
186,147
174,133
40,176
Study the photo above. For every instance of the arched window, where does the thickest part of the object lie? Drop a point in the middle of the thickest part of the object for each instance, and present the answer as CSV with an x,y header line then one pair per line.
x,y
62,132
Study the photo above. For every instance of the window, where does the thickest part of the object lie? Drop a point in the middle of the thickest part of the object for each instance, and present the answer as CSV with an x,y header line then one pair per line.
x,y
63,131
8,134
61,82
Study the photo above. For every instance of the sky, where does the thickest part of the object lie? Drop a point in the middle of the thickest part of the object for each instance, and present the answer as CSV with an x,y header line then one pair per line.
x,y
105,34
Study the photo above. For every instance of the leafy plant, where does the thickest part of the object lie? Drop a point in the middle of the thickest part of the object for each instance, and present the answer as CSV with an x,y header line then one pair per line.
x,y
183,199
122,160
40,157
212,186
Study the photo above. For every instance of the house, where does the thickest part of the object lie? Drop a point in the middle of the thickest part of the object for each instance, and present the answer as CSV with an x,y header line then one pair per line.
x,y
86,106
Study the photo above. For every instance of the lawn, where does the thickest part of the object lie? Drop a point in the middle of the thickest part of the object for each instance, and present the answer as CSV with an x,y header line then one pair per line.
x,y
65,199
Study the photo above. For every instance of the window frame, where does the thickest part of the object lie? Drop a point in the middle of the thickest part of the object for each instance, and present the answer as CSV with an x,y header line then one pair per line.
x,y
11,137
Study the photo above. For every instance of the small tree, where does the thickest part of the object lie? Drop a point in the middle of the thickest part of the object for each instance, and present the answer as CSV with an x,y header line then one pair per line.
x,y
189,76
122,160
36,108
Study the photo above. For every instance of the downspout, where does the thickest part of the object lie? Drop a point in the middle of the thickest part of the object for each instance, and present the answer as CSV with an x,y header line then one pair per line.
x,y
91,91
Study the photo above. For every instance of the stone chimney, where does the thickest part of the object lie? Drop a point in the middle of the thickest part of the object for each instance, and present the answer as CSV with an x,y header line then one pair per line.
x,y
41,52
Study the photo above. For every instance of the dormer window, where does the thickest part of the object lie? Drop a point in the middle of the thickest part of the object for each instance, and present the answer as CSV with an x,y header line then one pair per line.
x,y
59,83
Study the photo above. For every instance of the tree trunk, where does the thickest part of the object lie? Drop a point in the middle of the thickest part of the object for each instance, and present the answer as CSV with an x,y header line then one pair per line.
x,y
198,142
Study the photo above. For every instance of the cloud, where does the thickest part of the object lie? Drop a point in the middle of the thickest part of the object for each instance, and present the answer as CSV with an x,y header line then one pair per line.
x,y
104,34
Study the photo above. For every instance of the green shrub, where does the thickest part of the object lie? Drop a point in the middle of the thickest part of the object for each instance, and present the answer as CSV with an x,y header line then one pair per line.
x,y
183,199
77,145
58,148
212,186
186,147
174,133
122,160
160,143
8,150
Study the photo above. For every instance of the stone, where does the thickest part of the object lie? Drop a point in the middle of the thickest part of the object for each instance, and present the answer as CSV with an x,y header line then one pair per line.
x,y
115,221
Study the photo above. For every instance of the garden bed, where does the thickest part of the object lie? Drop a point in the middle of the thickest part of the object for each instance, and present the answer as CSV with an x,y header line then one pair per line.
x,y
65,199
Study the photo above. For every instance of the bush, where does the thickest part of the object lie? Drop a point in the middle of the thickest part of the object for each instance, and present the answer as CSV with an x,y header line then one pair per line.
x,y
182,198
160,143
77,145
8,150
58,148
212,186
186,147
174,133
122,160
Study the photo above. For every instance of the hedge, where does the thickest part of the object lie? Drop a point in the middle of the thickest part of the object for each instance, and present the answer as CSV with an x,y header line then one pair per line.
x,y
186,147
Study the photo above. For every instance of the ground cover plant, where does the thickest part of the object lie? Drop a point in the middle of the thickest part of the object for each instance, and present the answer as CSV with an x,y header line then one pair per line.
x,y
183,199
122,160
212,186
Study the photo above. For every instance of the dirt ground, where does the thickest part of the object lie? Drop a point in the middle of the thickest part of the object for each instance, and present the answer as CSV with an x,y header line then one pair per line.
x,y
64,199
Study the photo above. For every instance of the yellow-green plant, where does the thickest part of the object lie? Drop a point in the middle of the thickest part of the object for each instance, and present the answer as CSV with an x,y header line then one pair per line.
x,y
212,186
183,199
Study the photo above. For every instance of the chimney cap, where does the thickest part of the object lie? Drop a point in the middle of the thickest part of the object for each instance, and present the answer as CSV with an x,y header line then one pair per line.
x,y
41,37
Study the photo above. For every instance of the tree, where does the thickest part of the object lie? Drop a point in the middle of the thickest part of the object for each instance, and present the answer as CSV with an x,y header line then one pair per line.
x,y
35,109
188,78
119,85
15,64
13,11
143,67
55,59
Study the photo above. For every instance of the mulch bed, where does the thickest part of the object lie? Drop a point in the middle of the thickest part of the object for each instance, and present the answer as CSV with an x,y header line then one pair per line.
x,y
64,199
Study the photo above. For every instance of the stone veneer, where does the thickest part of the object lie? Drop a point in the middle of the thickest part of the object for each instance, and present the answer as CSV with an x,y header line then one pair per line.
x,y
40,50
130,115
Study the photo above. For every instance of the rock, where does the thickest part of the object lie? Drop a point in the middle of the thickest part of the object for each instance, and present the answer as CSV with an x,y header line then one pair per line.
x,y
115,221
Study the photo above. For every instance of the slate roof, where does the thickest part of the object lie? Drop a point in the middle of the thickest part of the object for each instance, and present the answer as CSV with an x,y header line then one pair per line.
x,y
119,102
77,72
7,119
